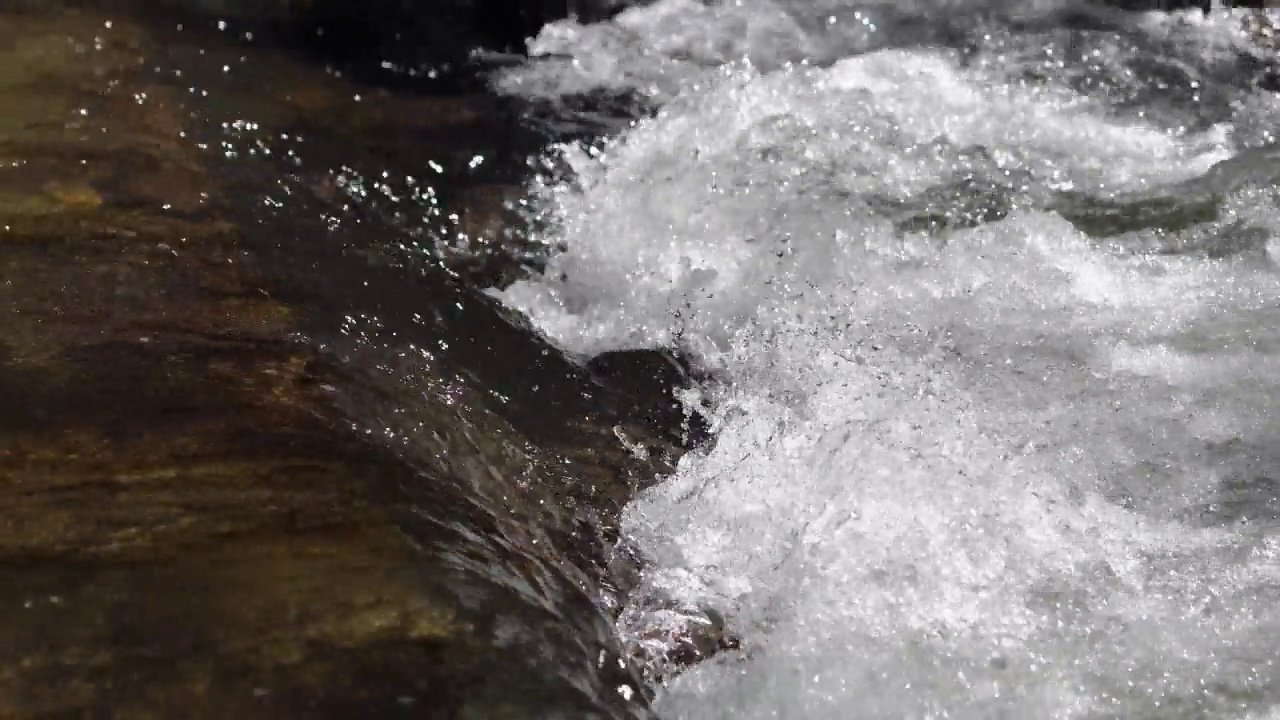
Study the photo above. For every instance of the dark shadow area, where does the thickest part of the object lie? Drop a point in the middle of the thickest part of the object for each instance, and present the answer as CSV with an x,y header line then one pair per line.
x,y
413,46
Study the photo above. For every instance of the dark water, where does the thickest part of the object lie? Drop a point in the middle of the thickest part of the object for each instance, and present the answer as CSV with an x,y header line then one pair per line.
x,y
265,450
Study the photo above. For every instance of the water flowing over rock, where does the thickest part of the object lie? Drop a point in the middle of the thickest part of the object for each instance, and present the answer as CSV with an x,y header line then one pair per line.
x,y
894,359
982,297
265,453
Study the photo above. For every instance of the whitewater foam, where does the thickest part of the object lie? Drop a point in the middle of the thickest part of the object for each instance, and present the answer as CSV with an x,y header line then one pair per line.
x,y
987,465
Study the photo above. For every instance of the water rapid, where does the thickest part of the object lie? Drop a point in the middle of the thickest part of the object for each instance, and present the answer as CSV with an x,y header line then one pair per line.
x,y
987,295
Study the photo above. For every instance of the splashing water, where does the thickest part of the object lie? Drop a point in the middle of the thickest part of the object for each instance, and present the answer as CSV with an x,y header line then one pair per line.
x,y
991,309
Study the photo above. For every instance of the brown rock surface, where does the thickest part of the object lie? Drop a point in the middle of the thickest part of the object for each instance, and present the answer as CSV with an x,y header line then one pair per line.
x,y
190,526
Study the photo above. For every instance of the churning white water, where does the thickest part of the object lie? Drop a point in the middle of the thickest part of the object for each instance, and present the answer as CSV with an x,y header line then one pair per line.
x,y
990,294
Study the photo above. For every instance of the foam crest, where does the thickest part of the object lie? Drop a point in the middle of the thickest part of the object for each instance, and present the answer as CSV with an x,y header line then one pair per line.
x,y
664,48
668,47
658,49
756,192
967,522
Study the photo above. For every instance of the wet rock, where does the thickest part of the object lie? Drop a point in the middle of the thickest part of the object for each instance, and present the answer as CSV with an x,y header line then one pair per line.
x,y
1102,218
650,381
680,638
1170,5
1253,501
965,201
486,235
182,526
212,626
425,45
1249,493
224,502
1261,28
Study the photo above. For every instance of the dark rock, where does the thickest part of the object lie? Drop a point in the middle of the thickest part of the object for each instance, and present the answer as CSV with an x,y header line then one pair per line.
x,y
1170,5
410,44
648,380
226,502
1167,5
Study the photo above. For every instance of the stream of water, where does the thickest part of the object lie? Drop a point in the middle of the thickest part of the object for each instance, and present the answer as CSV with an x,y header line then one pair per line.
x,y
988,295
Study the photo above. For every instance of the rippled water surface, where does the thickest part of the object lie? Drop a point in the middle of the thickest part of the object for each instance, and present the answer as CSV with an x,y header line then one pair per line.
x,y
987,295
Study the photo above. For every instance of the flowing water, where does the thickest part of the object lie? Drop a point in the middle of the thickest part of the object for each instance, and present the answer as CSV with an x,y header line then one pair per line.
x,y
986,294
972,306
265,451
